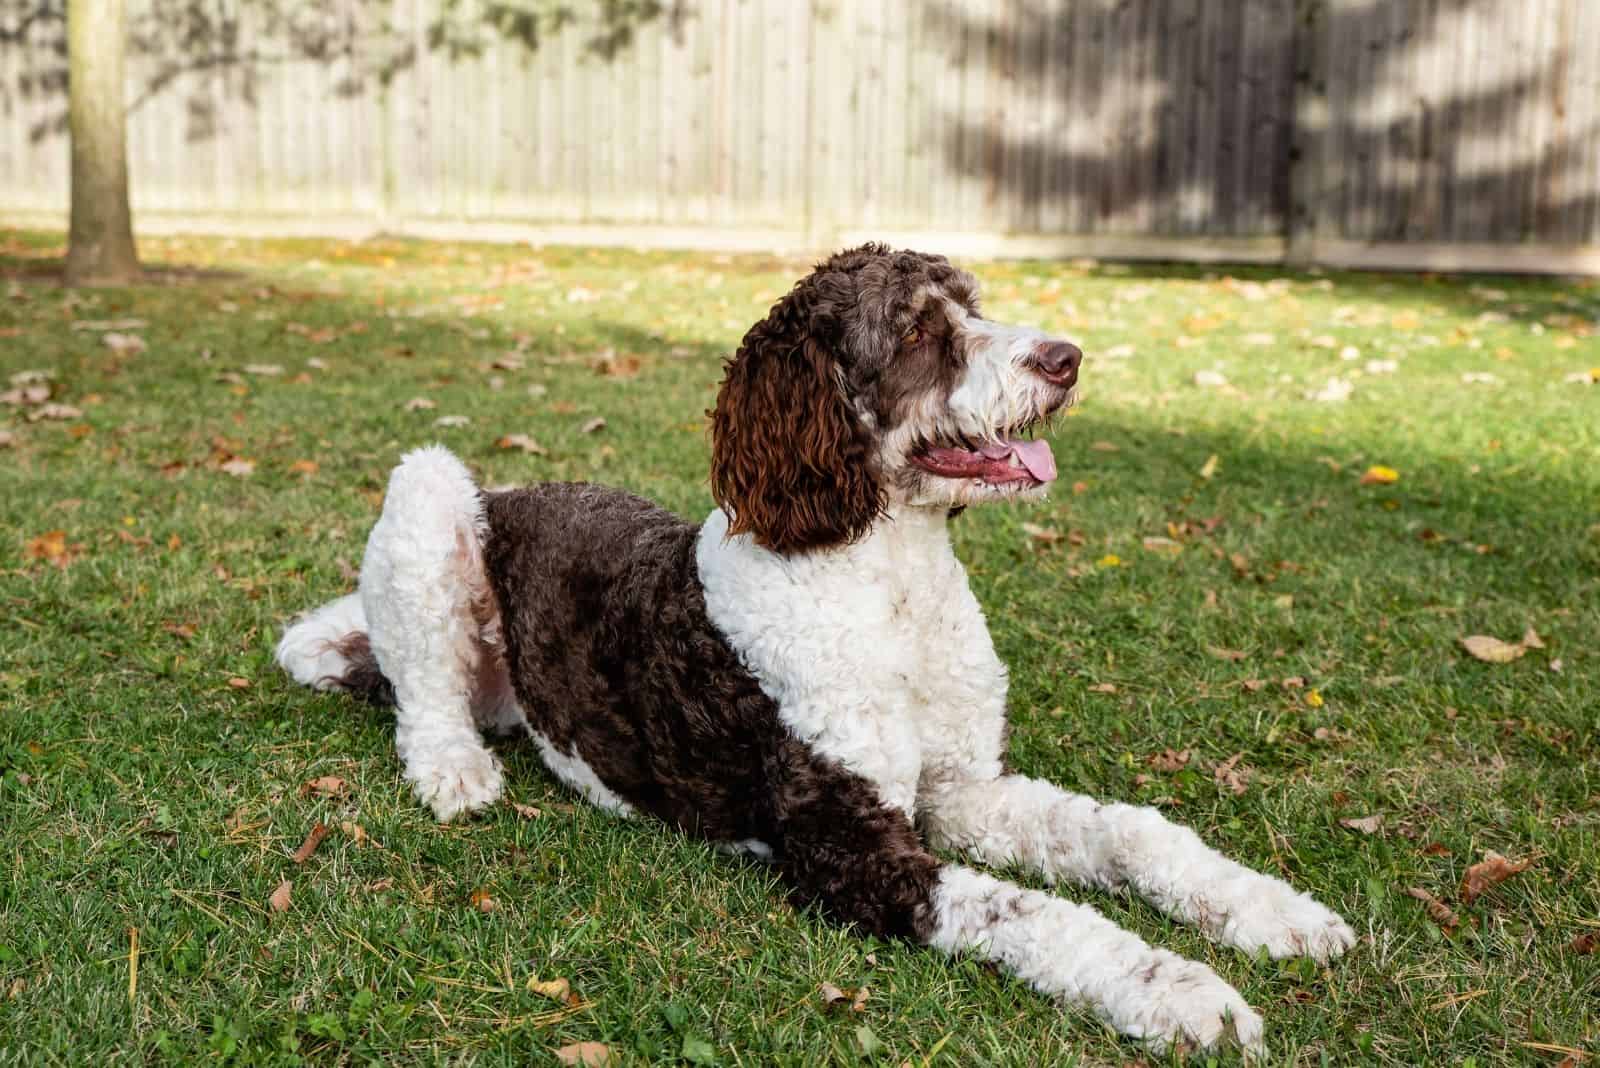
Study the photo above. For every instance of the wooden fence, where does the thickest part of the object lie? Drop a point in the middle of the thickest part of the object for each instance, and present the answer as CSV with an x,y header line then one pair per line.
x,y
1433,133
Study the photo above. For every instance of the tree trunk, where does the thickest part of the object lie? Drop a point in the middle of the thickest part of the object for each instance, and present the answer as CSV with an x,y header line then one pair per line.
x,y
100,247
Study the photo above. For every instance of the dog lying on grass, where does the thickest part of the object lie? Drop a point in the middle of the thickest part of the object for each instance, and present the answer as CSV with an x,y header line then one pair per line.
x,y
806,676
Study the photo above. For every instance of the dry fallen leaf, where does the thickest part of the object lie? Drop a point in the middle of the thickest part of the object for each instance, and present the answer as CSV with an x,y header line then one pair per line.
x,y
313,839
420,404
51,546
520,441
593,425
264,370
304,467
1162,545
1168,760
834,997
279,901
482,901
324,786
587,1054
1230,776
1209,468
1226,654
123,344
1531,639
1438,911
1491,871
1365,824
1103,687
557,990
239,683
527,812
7,439
1585,944
1042,535
1492,650
355,832
54,411
237,467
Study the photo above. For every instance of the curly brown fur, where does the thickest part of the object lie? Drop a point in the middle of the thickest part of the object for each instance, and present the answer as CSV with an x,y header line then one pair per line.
x,y
795,427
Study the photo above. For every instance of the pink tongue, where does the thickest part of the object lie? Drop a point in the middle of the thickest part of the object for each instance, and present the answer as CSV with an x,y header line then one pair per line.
x,y
1035,456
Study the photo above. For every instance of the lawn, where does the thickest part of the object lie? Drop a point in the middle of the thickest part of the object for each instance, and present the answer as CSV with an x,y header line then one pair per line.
x,y
1244,602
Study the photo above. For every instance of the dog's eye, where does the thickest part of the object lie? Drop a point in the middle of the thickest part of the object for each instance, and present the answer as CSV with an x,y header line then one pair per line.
x,y
912,336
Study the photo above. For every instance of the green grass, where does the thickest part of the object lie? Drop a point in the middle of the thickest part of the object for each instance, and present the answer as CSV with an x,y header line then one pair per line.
x,y
142,787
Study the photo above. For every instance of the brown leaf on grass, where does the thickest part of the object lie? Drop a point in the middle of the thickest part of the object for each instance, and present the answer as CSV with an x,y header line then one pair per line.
x,y
1162,545
420,404
52,546
557,990
1586,944
279,901
1294,682
1226,654
1169,760
314,838
1103,687
355,832
1438,911
1041,535
1531,639
598,423
1254,685
520,441
1489,872
386,883
36,393
304,467
238,467
1492,650
123,344
482,901
239,683
7,439
324,786
264,370
614,366
836,997
1230,776
527,812
54,411
1435,849
587,1054
1364,824
185,631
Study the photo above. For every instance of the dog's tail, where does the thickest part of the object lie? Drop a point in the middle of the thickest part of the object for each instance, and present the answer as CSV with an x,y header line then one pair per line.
x,y
328,649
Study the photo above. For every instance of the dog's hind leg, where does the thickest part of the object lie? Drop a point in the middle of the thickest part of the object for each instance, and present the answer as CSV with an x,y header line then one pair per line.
x,y
860,861
431,623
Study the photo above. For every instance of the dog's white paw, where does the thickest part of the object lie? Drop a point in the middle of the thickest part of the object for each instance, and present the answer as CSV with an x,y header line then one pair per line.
x,y
459,780
1288,924
1185,1001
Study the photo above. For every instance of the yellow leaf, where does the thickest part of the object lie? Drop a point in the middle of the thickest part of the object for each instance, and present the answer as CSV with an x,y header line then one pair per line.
x,y
1492,650
1110,560
1314,698
554,989
1377,474
1209,468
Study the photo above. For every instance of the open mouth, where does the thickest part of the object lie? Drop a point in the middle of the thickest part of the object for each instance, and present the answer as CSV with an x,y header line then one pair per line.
x,y
1000,461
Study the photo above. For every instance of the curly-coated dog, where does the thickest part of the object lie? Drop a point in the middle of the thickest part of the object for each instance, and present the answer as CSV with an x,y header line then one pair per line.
x,y
806,676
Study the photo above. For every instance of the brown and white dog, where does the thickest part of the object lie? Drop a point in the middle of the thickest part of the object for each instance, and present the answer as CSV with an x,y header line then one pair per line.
x,y
806,676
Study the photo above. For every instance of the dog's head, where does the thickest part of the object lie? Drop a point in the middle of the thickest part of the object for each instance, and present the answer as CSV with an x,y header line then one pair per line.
x,y
876,380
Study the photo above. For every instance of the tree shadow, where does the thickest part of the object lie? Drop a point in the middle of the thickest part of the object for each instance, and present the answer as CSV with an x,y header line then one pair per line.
x,y
1182,117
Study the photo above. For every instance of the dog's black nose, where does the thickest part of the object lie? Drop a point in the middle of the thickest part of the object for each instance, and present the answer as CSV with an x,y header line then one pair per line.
x,y
1058,361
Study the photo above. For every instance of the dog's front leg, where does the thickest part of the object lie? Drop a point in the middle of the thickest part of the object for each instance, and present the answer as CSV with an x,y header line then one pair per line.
x,y
1016,820
839,847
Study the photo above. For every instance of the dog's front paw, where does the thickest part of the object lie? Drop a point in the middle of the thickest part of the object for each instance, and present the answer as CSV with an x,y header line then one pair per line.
x,y
1185,1001
1288,924
458,780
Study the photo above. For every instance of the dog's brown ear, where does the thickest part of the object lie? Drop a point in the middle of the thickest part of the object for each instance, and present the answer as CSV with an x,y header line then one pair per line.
x,y
790,462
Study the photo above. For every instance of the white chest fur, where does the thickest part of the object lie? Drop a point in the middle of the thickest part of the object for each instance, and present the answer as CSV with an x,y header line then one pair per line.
x,y
876,653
